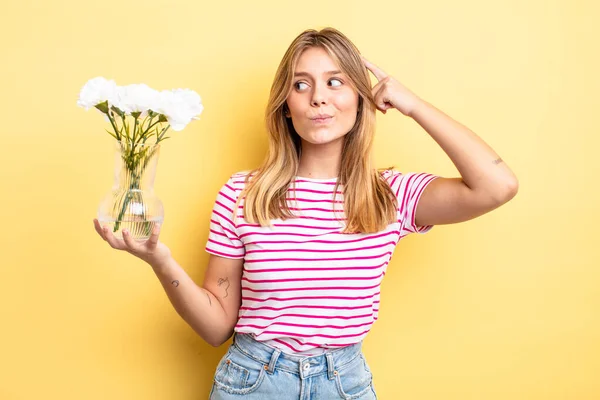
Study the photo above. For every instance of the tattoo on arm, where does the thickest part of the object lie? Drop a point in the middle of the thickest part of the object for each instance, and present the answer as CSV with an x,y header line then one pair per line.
x,y
498,161
224,282
175,283
209,301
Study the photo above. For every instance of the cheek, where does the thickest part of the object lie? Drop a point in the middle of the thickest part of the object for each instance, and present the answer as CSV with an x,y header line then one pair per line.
x,y
293,104
348,102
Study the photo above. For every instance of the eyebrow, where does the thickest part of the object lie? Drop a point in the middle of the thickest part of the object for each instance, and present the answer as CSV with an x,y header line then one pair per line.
x,y
325,73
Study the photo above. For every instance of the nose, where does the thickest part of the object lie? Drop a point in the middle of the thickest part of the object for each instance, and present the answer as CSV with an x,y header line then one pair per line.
x,y
318,96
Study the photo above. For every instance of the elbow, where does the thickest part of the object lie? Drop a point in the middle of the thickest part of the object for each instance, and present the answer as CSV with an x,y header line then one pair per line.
x,y
219,340
215,342
508,192
218,343
512,189
215,339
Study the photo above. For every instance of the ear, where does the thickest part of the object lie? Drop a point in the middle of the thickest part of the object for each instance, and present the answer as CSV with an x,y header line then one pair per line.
x,y
286,111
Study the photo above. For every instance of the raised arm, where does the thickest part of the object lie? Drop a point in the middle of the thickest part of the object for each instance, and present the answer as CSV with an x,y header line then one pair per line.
x,y
486,182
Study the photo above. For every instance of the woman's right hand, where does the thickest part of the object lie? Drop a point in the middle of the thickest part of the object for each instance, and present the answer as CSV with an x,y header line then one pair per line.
x,y
152,250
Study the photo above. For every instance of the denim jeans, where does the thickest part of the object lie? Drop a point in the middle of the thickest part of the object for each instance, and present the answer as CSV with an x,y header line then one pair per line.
x,y
253,370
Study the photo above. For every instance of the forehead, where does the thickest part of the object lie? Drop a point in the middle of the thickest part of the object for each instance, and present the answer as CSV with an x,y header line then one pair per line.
x,y
315,60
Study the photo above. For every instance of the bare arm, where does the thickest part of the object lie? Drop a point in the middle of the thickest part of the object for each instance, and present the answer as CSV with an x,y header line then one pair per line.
x,y
211,310
485,183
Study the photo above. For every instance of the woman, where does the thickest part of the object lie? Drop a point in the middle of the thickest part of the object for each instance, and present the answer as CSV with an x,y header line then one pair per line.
x,y
294,273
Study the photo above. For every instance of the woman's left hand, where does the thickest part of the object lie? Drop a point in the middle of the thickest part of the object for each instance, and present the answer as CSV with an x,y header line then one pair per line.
x,y
389,93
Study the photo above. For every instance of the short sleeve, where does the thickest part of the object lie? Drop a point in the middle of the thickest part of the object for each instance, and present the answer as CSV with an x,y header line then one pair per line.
x,y
408,189
223,239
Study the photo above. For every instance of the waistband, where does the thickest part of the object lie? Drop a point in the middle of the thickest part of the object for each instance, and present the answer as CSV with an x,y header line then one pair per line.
x,y
305,366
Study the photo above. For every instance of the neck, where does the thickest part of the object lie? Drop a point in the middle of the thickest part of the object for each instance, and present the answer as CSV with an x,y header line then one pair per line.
x,y
320,161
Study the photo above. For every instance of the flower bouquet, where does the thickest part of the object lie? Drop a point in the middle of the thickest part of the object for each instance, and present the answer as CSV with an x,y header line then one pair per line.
x,y
140,118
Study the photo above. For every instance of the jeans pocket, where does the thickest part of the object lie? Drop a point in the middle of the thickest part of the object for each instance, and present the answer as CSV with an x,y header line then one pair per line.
x,y
355,380
238,373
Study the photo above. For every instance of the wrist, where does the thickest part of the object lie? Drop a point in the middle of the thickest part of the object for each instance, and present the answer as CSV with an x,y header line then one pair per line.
x,y
160,264
418,105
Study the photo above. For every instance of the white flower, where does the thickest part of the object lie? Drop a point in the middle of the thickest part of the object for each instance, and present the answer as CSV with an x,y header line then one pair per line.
x,y
179,106
135,98
192,101
96,91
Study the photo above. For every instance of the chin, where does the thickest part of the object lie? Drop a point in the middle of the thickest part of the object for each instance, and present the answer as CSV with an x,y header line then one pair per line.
x,y
321,137
322,140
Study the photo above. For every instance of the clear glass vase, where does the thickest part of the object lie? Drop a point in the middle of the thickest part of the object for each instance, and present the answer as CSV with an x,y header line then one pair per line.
x,y
131,203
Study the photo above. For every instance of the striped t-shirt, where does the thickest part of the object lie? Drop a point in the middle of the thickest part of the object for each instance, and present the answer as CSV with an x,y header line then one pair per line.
x,y
307,287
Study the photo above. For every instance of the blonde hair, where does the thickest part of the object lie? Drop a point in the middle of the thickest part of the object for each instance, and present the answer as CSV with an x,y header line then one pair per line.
x,y
369,203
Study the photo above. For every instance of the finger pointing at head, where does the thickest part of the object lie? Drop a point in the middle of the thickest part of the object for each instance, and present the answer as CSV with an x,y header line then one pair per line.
x,y
378,72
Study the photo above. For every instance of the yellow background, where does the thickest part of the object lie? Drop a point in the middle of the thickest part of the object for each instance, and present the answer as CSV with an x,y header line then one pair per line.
x,y
502,307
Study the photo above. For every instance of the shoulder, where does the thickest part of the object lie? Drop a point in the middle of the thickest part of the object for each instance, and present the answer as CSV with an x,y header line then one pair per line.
x,y
238,181
389,173
392,176
240,177
406,183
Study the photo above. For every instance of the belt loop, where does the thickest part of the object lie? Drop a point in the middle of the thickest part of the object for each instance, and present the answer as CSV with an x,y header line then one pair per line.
x,y
330,366
274,358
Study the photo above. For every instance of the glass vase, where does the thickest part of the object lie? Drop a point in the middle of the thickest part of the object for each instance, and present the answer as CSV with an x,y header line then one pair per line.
x,y
131,203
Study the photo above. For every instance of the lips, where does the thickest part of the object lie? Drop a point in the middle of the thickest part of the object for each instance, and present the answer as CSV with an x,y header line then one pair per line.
x,y
321,117
322,121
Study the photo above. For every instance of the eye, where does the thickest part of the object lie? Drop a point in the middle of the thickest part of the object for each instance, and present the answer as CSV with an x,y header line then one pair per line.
x,y
336,80
299,83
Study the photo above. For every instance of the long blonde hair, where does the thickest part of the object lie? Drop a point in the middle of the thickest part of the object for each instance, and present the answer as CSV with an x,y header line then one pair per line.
x,y
369,203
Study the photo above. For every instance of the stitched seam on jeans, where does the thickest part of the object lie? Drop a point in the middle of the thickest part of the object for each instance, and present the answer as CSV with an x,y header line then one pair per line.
x,y
340,367
265,362
247,390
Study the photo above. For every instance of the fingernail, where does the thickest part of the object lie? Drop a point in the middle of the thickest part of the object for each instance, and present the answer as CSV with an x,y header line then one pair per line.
x,y
125,231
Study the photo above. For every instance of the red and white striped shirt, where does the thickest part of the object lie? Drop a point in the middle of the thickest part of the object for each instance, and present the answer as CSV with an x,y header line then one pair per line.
x,y
307,287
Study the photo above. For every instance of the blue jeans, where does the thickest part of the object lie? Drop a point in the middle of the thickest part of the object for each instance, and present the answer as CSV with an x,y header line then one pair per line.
x,y
253,370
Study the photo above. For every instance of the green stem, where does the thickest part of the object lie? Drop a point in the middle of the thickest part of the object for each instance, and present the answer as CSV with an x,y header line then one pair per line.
x,y
126,203
128,157
141,127
125,126
110,133
149,122
149,127
112,122
135,124
162,134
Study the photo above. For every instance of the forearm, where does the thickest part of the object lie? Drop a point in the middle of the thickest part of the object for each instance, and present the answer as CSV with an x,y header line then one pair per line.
x,y
480,166
196,305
